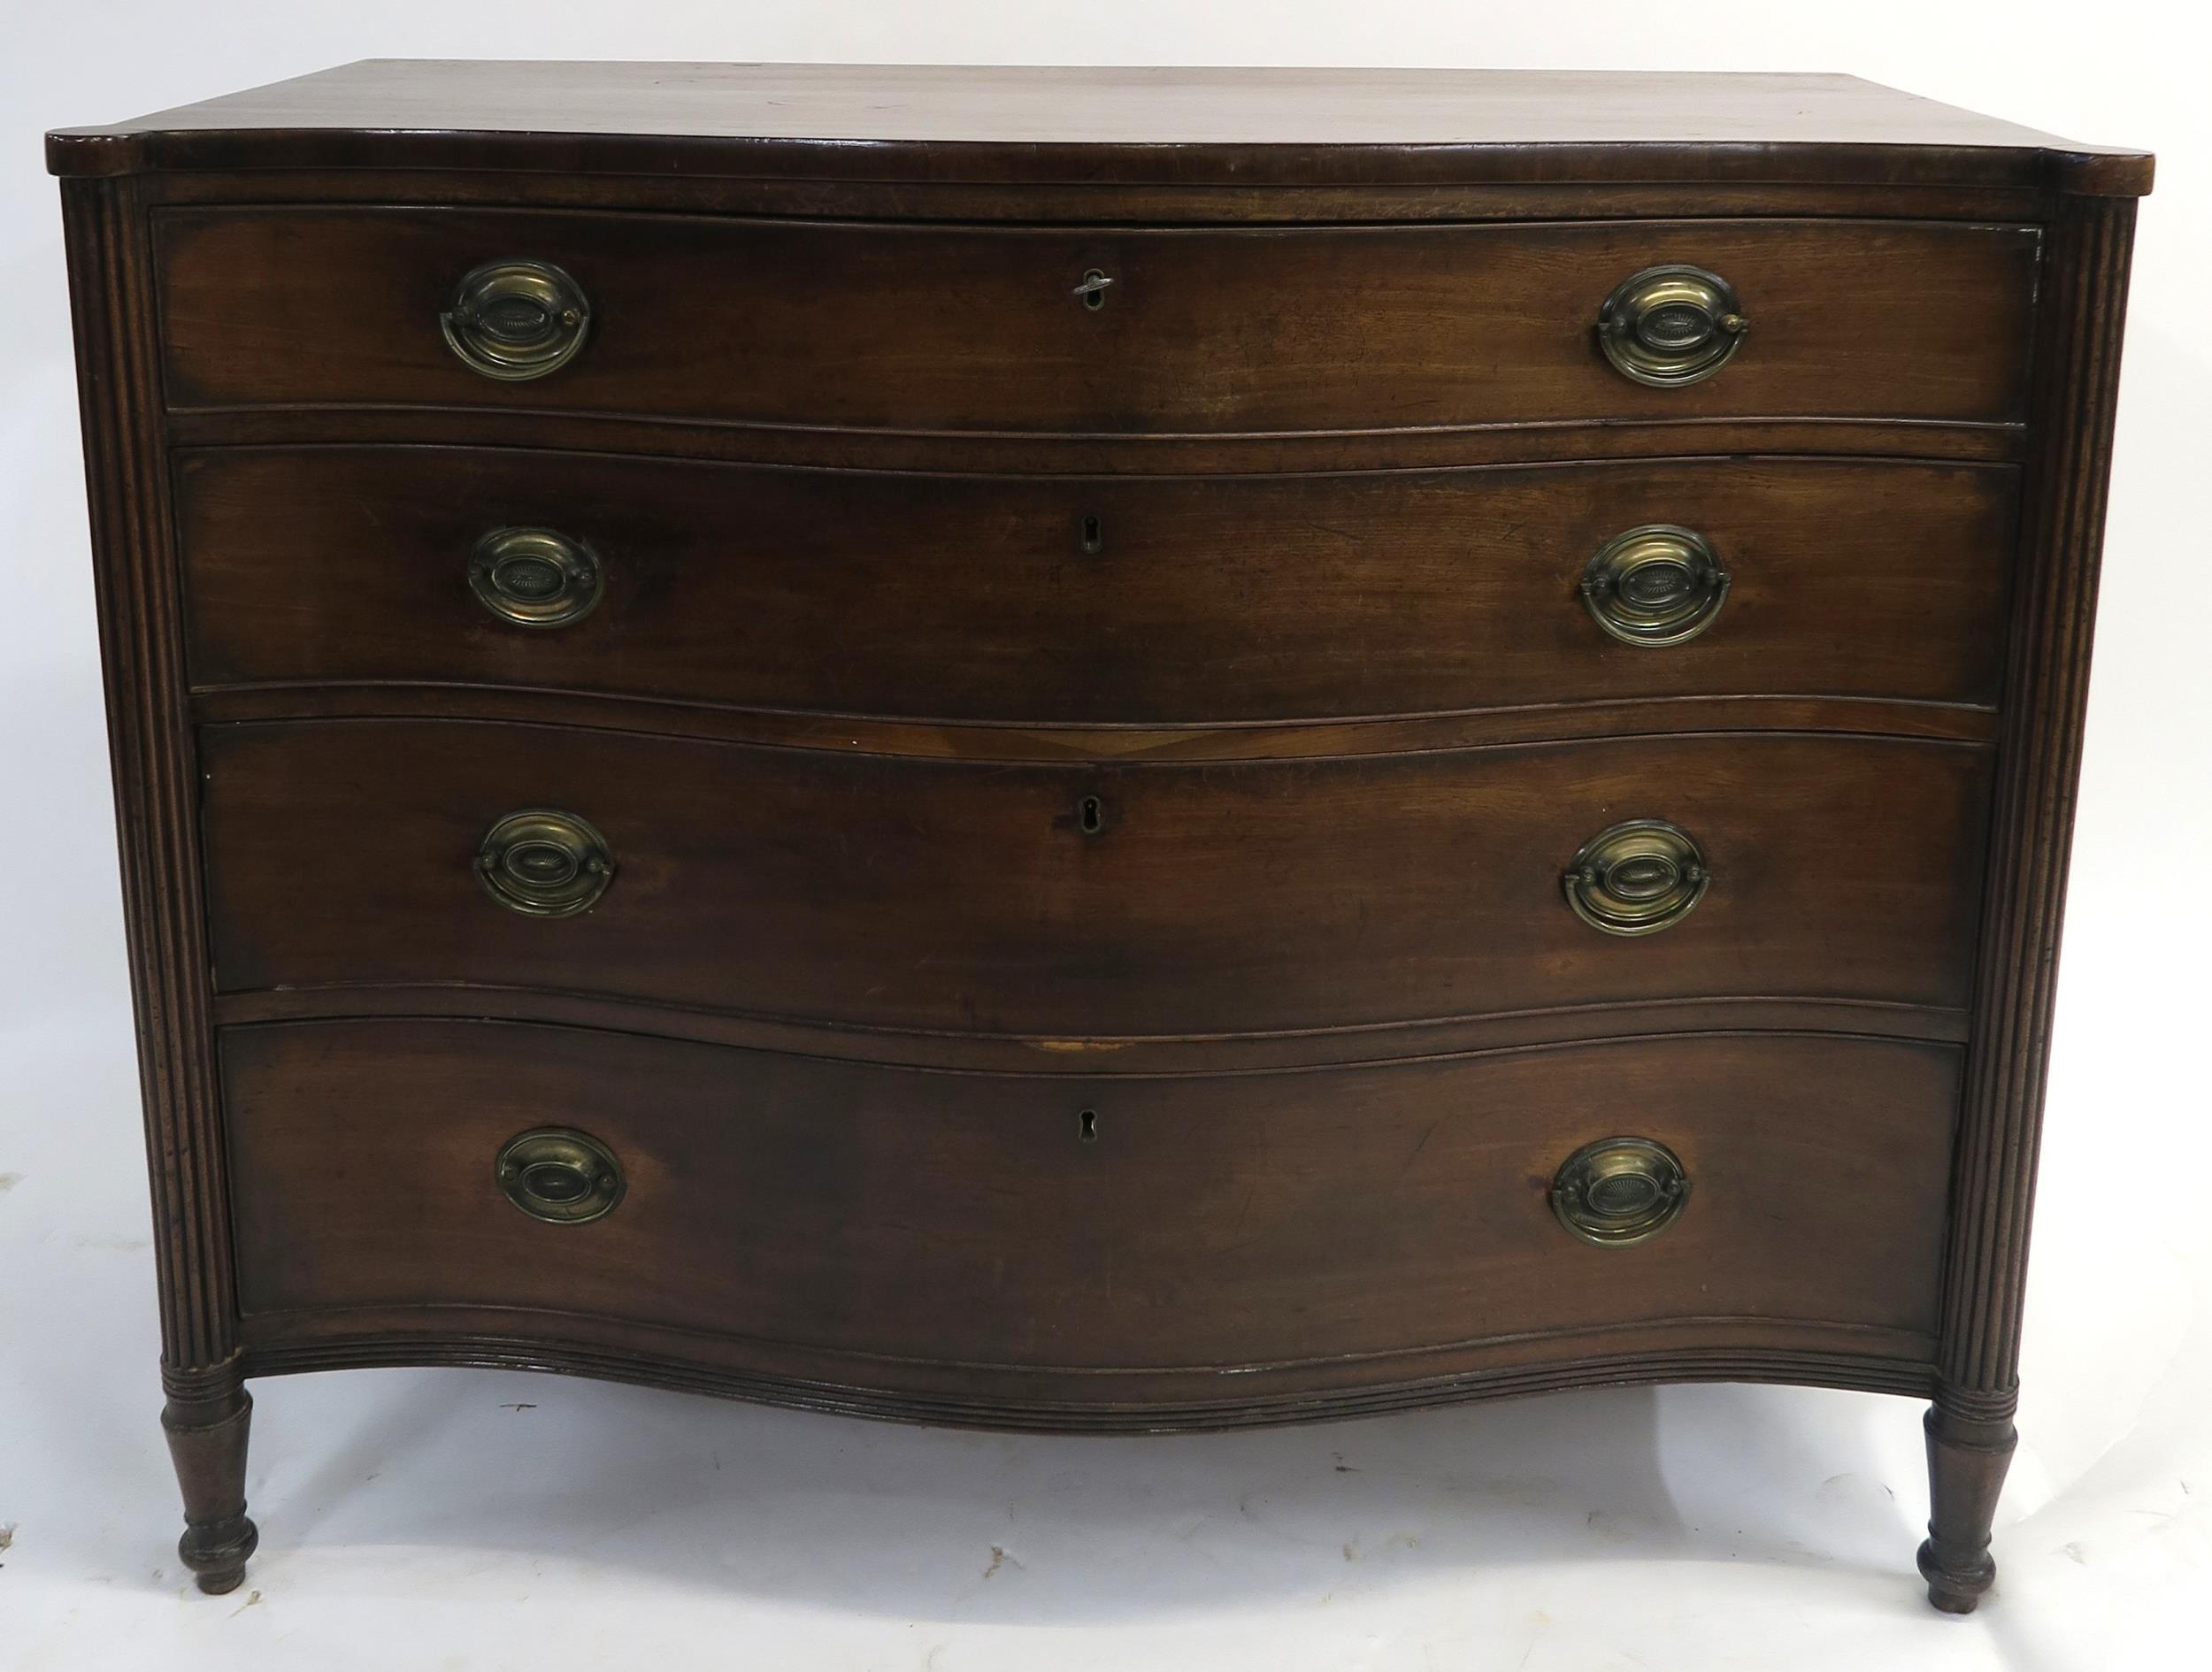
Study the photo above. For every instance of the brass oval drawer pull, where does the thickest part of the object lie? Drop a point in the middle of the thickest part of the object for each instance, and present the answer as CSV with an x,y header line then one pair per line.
x,y
1619,1191
514,320
544,863
562,1177
1657,585
1637,878
534,577
1672,326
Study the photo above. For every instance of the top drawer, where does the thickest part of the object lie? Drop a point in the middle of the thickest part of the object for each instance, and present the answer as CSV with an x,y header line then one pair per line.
x,y
1087,330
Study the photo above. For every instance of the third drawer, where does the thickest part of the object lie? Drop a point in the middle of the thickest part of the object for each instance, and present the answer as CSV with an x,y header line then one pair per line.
x,y
987,898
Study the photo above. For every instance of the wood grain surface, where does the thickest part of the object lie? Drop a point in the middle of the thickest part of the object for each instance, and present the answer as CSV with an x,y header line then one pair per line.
x,y
1208,599
1214,1221
944,123
908,327
1214,899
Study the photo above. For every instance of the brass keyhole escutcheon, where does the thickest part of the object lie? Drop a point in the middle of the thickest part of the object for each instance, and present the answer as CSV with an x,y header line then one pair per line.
x,y
544,862
1668,326
1637,878
514,320
1619,1191
1654,586
1093,287
1090,814
534,577
562,1176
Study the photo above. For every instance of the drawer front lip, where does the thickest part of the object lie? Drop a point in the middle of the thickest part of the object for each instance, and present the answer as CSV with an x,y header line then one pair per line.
x,y
904,328
1019,1399
1093,1056
1230,900
953,598
1319,1230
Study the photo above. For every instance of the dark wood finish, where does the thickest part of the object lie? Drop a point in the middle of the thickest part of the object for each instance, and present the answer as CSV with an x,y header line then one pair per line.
x,y
938,328
1230,898
1184,127
207,1434
978,740
1038,1053
1208,1227
1967,1460
1272,598
150,747
1080,201
932,1391
2062,550
1318,452
1351,436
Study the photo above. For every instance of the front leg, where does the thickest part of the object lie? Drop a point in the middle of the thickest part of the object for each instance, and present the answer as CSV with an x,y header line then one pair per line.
x,y
1968,1454
207,1428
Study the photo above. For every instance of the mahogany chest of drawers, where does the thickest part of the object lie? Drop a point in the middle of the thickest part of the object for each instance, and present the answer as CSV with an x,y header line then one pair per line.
x,y
1109,750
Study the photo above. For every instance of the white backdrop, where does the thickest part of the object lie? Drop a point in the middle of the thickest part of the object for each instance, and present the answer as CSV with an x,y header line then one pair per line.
x,y
407,1514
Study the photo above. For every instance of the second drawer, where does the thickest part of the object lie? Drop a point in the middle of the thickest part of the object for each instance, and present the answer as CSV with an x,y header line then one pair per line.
x,y
1086,600
982,897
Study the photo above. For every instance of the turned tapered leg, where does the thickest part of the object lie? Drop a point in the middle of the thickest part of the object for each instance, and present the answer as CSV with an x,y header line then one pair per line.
x,y
1967,1458
207,1441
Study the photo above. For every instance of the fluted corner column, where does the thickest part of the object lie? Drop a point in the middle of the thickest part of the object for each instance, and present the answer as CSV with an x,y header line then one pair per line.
x,y
2081,306
155,768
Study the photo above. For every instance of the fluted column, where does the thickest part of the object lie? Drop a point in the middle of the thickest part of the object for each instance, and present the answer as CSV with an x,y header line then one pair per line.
x,y
151,754
2081,306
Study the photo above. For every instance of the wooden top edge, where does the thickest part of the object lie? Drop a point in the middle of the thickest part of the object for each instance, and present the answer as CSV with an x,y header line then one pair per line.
x,y
1099,125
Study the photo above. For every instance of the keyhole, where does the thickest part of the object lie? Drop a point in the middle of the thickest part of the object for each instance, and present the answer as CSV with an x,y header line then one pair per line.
x,y
1090,813
1086,1126
1094,288
1093,534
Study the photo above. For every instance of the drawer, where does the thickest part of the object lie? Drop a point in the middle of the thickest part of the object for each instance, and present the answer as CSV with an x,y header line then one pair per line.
x,y
1226,1221
968,328
1082,601
1057,901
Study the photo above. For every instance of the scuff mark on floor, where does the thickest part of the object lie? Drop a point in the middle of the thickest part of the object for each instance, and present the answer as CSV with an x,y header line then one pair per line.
x,y
252,1597
9,1181
1001,1557
1396,1541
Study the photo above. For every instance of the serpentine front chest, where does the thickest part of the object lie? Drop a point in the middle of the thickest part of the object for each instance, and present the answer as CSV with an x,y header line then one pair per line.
x,y
1094,749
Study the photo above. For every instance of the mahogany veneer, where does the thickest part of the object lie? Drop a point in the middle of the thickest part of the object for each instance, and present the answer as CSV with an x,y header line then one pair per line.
x,y
888,594
1117,750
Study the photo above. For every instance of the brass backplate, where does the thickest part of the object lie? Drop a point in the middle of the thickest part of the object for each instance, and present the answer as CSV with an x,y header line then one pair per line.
x,y
1671,326
1637,878
1654,586
535,577
562,1176
1620,1191
544,862
516,319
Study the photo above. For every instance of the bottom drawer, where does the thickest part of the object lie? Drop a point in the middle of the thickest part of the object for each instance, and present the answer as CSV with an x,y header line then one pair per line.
x,y
1327,1226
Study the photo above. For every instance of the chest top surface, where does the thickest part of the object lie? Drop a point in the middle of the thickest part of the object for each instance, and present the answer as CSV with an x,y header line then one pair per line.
x,y
1218,127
